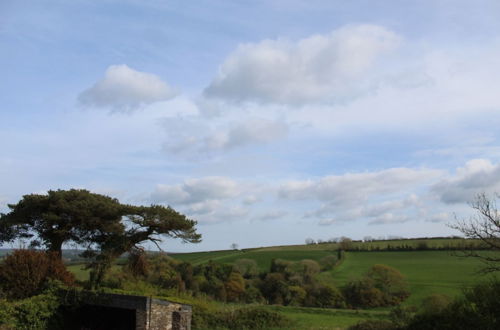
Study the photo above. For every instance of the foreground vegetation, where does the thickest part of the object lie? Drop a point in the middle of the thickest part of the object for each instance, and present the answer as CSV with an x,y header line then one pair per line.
x,y
228,288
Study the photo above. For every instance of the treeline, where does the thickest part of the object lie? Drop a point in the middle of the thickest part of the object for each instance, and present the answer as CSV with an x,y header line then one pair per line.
x,y
477,308
410,244
291,283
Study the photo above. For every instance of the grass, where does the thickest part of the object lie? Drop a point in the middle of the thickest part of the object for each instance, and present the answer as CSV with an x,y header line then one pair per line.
x,y
82,274
325,318
263,257
426,272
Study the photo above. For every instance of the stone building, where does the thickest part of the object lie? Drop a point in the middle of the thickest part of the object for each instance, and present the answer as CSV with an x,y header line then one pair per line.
x,y
128,312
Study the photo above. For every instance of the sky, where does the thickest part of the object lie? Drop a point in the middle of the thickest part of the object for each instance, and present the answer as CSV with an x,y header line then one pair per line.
x,y
268,122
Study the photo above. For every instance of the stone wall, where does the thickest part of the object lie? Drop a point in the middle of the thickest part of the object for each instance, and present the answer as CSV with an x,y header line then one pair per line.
x,y
150,314
167,315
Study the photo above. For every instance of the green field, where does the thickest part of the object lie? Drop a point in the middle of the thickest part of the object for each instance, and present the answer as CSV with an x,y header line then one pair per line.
x,y
263,257
306,318
426,272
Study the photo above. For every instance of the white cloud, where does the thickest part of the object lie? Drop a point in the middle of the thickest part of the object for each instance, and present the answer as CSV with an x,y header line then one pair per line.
x,y
477,176
319,68
356,187
252,131
195,138
125,89
389,218
196,190
272,215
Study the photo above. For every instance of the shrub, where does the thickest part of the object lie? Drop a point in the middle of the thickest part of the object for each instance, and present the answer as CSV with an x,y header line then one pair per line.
x,y
381,286
363,293
254,318
328,262
435,303
235,287
25,273
477,309
373,325
137,263
246,267
37,312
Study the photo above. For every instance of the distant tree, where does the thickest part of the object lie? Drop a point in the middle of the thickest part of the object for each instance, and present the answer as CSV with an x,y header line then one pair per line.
x,y
328,262
234,246
235,287
248,268
345,243
368,239
390,282
483,226
381,286
310,241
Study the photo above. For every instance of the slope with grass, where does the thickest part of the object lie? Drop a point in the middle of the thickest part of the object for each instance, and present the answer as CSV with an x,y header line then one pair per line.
x,y
426,272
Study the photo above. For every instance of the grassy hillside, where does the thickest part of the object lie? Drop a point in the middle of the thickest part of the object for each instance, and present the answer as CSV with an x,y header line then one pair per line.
x,y
426,272
263,257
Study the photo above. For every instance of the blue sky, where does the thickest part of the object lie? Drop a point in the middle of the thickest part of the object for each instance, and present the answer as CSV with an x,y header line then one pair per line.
x,y
268,122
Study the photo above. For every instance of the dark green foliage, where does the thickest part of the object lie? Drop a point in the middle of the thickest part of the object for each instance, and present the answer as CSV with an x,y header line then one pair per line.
x,y
248,268
401,316
362,293
61,216
100,223
37,313
477,309
241,319
381,286
374,325
435,303
328,262
325,296
25,273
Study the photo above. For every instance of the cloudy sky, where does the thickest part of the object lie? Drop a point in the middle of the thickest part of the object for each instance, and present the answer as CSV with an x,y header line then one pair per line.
x,y
268,122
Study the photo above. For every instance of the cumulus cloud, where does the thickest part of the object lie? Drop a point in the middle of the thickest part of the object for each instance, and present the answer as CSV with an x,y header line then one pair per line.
x,y
319,68
125,89
356,187
378,197
196,191
477,176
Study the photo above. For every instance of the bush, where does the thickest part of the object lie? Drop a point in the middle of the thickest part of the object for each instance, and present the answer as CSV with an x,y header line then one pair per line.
x,y
37,312
25,273
435,303
477,309
328,262
373,325
241,319
381,286
248,268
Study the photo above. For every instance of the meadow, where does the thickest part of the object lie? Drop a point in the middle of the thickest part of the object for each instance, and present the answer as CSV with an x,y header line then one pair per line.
x,y
426,272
